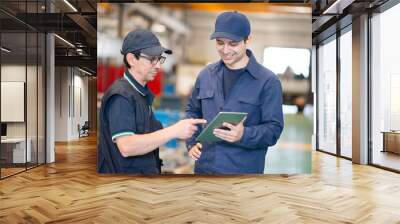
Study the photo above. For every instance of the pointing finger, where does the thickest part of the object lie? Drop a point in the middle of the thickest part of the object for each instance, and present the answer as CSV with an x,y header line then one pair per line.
x,y
198,121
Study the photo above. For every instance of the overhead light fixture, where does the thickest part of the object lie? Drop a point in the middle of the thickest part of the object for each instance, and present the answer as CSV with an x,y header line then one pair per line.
x,y
86,72
5,49
65,41
331,7
70,5
80,51
337,7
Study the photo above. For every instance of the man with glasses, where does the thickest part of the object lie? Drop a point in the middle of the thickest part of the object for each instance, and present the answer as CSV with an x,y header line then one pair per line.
x,y
236,83
129,133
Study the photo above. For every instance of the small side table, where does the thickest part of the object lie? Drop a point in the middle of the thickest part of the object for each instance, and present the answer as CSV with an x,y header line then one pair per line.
x,y
391,141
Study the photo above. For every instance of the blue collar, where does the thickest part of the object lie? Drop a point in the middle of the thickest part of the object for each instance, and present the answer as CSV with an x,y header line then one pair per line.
x,y
252,66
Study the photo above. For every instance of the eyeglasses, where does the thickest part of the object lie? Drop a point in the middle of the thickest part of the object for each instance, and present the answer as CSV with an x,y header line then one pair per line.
x,y
155,59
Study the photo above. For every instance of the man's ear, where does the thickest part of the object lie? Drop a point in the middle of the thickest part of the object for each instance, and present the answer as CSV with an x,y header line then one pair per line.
x,y
130,58
248,40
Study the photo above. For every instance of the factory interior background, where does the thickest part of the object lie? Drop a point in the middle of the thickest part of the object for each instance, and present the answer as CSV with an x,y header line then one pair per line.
x,y
280,41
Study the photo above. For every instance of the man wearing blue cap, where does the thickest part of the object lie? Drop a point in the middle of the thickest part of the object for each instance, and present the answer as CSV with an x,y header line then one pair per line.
x,y
236,83
129,133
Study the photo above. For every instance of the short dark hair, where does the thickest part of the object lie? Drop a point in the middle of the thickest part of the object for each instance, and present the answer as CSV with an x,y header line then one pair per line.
x,y
136,54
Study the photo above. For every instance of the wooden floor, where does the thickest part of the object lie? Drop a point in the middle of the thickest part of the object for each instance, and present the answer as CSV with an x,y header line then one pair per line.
x,y
70,191
387,159
10,171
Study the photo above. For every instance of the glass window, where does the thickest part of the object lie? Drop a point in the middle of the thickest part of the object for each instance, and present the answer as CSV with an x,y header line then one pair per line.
x,y
22,90
31,97
279,59
346,94
41,150
385,84
14,153
327,97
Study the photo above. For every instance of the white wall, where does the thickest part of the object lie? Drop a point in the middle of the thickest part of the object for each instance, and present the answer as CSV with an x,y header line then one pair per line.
x,y
15,73
61,103
69,85
80,84
33,126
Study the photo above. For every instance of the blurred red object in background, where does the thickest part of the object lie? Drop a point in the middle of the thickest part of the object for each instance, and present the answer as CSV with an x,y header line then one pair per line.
x,y
107,74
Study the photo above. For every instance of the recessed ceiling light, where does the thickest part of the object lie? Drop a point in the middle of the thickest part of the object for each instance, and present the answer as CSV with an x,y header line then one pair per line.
x,y
70,5
65,41
5,49
86,72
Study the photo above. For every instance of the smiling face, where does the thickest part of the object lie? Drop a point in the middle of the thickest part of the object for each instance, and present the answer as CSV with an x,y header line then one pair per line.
x,y
232,53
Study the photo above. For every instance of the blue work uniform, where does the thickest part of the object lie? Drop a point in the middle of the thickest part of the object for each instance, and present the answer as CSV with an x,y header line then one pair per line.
x,y
126,110
257,92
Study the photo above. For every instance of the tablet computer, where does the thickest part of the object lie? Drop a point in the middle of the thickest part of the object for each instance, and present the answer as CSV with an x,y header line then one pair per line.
x,y
233,118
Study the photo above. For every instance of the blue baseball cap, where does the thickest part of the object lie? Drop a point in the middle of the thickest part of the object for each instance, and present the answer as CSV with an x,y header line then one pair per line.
x,y
231,25
143,41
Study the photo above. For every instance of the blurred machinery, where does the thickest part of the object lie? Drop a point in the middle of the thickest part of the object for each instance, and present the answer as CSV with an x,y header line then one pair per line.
x,y
296,88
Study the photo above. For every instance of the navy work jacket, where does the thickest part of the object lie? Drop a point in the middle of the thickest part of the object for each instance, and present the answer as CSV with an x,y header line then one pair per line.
x,y
257,92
